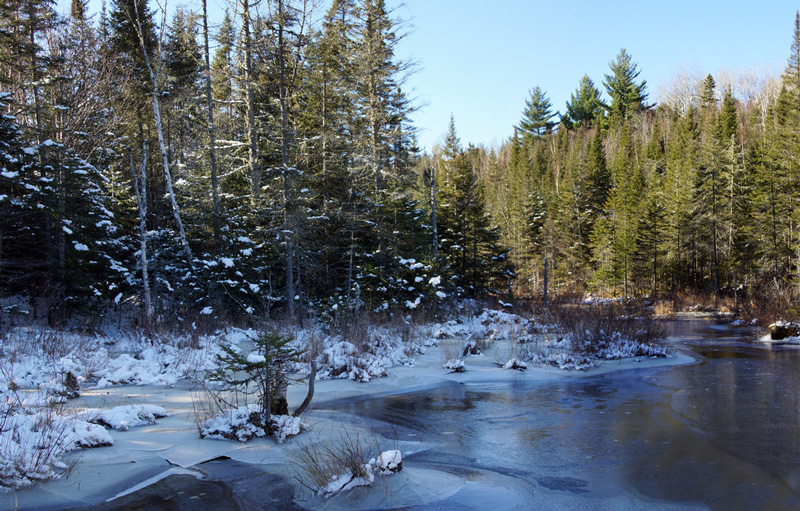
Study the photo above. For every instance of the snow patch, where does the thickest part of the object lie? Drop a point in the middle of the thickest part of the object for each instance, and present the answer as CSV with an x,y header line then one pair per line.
x,y
122,418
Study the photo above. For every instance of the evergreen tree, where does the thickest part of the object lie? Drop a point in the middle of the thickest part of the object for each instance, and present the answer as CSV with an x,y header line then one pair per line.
x,y
791,74
626,94
222,66
182,66
599,176
469,246
125,16
537,115
584,105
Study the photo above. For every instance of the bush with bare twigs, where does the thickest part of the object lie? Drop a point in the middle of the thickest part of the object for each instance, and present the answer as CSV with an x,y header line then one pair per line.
x,y
610,332
34,436
349,461
769,305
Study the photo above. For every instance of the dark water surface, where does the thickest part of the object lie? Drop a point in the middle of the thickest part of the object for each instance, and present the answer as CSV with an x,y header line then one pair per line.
x,y
721,434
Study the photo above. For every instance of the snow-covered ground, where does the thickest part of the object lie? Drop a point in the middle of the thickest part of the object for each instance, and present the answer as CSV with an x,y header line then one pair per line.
x,y
144,393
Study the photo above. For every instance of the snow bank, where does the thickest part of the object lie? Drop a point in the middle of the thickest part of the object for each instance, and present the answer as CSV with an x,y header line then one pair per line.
x,y
388,463
240,424
163,364
287,426
36,357
247,422
122,418
32,445
346,358
489,324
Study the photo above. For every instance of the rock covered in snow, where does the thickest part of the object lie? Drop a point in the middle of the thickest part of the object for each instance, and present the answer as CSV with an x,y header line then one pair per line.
x,y
455,364
471,348
389,462
782,330
515,364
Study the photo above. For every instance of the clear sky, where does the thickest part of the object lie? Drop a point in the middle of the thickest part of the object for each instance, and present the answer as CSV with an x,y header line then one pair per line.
x,y
479,59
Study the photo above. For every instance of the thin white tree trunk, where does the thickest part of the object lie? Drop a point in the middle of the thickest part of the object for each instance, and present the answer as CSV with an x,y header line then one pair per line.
x,y
249,104
212,155
154,77
141,199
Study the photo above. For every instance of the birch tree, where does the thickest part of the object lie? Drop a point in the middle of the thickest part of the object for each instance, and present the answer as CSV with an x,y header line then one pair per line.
x,y
154,71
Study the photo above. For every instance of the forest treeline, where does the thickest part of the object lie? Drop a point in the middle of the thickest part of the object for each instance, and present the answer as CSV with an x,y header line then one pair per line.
x,y
269,166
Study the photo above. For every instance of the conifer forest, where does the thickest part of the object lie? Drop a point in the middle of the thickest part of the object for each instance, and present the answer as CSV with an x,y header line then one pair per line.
x,y
182,169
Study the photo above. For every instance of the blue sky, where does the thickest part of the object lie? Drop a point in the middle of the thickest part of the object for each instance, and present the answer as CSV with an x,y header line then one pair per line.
x,y
479,59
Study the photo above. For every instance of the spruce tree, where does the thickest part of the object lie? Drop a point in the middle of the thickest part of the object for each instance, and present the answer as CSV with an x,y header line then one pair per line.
x,y
584,105
469,246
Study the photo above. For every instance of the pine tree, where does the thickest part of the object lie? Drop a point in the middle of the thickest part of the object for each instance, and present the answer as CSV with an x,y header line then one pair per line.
x,y
128,18
182,66
791,75
626,95
599,176
378,75
537,115
222,66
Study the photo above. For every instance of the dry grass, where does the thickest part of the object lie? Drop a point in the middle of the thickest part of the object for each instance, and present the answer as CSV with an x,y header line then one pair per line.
x,y
451,350
687,301
764,305
318,463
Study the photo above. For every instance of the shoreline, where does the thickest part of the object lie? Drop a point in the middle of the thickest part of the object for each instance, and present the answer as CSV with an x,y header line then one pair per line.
x,y
146,456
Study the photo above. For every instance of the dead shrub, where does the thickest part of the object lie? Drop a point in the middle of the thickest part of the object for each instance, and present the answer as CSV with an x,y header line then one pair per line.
x,y
592,329
766,306
348,455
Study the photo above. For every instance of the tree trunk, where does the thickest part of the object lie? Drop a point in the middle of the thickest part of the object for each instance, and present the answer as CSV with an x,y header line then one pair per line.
x,y
433,212
141,199
249,104
312,376
279,405
154,77
175,210
288,224
212,154
714,223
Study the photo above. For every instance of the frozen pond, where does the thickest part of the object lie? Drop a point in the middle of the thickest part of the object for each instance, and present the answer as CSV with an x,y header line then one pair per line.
x,y
720,434
723,433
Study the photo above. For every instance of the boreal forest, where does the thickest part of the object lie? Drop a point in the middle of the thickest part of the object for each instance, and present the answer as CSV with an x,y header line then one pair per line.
x,y
165,171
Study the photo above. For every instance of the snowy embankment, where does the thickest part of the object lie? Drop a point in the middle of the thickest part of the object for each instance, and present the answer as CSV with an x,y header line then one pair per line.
x,y
41,369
